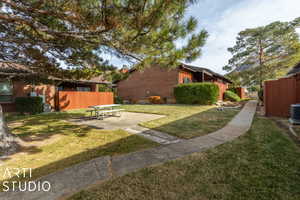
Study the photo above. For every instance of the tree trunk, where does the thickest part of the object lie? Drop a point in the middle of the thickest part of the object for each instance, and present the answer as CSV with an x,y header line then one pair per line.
x,y
261,53
8,144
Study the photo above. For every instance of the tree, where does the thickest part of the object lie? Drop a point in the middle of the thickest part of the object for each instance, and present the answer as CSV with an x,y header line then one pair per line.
x,y
51,36
8,144
263,51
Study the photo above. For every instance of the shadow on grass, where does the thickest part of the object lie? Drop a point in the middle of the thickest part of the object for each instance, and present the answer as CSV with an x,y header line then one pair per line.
x,y
263,164
195,125
186,127
128,144
30,129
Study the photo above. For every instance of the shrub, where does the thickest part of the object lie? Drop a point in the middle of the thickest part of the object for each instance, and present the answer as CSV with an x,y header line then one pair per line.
x,y
233,89
196,93
261,94
155,99
254,88
104,88
32,105
118,100
231,96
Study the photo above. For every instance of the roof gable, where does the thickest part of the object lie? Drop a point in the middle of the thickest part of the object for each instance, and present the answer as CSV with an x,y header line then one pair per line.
x,y
201,69
196,69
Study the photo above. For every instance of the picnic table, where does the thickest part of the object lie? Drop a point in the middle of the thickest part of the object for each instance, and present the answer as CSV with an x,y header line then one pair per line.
x,y
100,111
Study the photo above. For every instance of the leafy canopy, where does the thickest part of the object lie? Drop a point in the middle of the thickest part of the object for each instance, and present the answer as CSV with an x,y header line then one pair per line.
x,y
264,52
49,35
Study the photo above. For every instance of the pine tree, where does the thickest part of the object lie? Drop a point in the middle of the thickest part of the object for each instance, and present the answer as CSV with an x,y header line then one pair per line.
x,y
51,35
265,51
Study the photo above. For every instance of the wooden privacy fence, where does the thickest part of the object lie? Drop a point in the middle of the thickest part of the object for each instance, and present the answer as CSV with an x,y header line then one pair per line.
x,y
280,94
74,100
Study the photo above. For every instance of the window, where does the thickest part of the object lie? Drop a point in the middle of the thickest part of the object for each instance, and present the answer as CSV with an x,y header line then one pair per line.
x,y
84,89
60,88
186,80
6,91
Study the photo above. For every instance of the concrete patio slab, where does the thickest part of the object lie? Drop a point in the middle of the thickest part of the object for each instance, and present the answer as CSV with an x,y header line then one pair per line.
x,y
127,119
129,122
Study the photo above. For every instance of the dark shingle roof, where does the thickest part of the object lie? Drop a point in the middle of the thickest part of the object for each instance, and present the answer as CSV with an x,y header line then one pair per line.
x,y
6,67
295,70
197,69
201,69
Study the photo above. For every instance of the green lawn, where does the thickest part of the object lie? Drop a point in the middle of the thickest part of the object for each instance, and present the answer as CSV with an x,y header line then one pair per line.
x,y
51,143
263,164
185,121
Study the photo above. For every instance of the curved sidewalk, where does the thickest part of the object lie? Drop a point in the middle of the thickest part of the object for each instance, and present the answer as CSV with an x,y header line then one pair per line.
x,y
80,176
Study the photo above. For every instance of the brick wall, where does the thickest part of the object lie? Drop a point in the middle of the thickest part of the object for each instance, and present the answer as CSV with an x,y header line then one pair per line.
x,y
241,92
154,81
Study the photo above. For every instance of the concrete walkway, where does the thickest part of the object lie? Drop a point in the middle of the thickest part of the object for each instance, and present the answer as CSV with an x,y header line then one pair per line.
x,y
73,179
156,136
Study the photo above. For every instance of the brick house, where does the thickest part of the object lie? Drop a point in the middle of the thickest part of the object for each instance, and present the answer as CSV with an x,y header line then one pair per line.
x,y
157,81
12,85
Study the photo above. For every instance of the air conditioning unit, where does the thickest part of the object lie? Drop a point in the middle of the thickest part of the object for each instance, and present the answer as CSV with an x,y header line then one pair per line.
x,y
295,114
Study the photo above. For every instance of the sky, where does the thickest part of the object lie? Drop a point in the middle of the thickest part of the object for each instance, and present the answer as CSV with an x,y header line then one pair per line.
x,y
224,19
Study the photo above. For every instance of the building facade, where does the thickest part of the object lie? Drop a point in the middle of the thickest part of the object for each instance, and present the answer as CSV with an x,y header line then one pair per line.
x,y
157,81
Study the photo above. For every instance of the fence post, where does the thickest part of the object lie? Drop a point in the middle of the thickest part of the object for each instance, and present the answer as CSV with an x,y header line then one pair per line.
x,y
265,98
298,88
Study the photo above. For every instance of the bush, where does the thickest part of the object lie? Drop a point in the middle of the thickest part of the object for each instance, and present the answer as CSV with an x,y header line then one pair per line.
x,y
231,96
32,105
233,89
118,100
104,88
254,88
196,93
261,94
155,100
